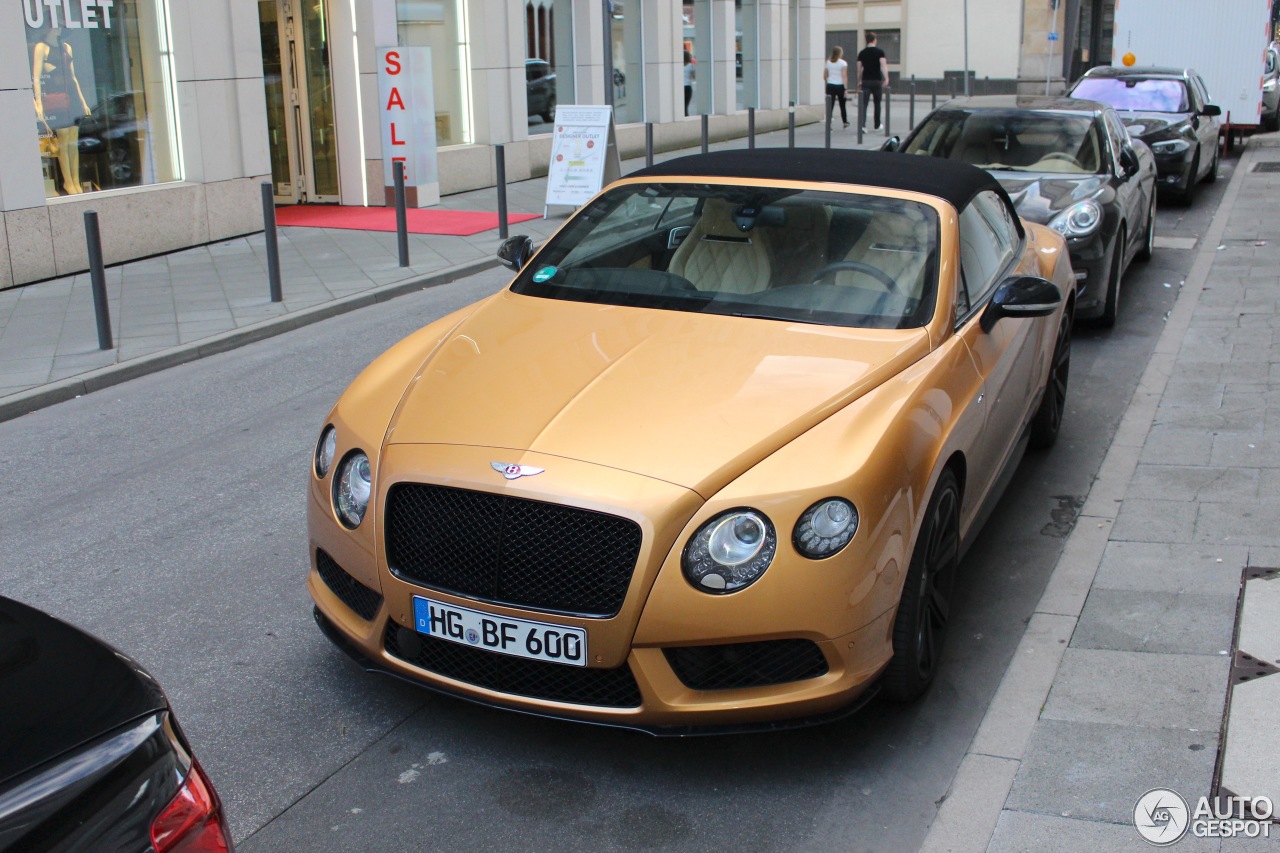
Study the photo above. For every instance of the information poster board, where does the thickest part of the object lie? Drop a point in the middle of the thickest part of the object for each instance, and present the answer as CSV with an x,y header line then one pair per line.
x,y
584,155
408,118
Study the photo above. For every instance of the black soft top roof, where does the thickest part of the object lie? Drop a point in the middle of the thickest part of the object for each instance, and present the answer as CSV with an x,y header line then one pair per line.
x,y
954,182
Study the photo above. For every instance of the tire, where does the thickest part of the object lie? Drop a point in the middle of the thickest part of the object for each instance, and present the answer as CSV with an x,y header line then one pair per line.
x,y
1189,193
1111,303
1212,174
919,628
1053,405
1149,240
1272,122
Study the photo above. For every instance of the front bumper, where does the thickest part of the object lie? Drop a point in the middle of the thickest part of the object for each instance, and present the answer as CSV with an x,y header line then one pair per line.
x,y
1090,263
703,724
1173,171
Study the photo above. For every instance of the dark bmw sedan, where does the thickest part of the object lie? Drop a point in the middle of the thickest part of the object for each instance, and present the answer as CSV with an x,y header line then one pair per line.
x,y
1169,109
1066,163
91,757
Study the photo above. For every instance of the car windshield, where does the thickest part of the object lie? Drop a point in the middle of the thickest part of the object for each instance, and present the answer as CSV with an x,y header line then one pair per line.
x,y
1015,140
830,258
1135,93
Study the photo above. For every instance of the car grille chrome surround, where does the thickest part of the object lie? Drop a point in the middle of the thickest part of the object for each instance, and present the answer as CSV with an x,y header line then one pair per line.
x,y
509,550
363,601
746,664
605,688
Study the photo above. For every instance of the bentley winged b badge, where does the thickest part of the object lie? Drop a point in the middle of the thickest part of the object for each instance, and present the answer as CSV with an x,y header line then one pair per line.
x,y
512,472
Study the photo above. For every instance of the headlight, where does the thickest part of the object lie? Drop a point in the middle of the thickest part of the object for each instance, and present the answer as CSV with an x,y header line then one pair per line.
x,y
1270,85
730,552
1079,220
1170,146
825,528
325,448
351,489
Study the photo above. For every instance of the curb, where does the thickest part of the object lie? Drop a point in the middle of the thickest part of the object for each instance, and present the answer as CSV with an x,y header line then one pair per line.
x,y
966,819
26,402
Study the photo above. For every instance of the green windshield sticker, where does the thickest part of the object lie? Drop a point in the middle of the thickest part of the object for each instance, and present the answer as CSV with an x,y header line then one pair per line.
x,y
545,274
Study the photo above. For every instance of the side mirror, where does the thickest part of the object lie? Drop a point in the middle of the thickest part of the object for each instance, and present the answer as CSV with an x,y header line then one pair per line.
x,y
1129,162
1211,110
515,251
893,143
1021,296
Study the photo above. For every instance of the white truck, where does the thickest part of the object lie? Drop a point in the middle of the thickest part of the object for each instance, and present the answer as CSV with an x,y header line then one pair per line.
x,y
1224,41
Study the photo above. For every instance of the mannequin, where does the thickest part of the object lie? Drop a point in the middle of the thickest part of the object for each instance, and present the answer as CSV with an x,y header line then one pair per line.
x,y
53,73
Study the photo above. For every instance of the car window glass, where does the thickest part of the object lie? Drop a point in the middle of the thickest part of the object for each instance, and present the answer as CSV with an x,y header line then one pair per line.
x,y
834,258
1012,140
984,253
1202,91
1135,93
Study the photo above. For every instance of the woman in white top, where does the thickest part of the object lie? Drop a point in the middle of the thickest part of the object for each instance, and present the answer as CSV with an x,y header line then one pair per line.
x,y
836,76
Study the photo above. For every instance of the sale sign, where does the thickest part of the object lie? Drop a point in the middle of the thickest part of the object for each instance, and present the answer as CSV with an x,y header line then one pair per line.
x,y
408,116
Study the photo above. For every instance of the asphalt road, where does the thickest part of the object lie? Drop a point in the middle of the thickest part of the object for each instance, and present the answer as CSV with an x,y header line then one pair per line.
x,y
166,515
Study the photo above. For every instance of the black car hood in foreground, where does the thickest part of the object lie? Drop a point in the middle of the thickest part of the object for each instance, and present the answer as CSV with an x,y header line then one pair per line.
x,y
1041,197
61,688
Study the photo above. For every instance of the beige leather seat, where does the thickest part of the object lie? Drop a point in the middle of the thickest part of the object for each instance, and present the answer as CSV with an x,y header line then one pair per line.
x,y
717,256
898,245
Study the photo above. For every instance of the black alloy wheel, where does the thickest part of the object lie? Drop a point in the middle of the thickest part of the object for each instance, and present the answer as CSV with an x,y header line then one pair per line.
x,y
921,623
1053,405
1111,306
1149,240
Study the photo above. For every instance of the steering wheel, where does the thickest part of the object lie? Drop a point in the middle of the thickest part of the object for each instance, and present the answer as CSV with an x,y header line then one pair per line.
x,y
1061,155
858,266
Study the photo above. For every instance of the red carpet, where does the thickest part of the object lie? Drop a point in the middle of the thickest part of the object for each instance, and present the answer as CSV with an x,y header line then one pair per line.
x,y
458,223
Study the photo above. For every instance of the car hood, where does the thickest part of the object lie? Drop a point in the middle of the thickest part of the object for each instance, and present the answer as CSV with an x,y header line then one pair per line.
x,y
691,399
1146,126
61,688
1039,198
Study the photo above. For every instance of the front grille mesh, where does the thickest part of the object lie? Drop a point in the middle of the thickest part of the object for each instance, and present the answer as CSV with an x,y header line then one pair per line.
x,y
363,601
607,688
746,664
510,550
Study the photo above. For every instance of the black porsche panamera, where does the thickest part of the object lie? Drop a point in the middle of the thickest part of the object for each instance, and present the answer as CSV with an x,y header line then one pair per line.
x,y
1067,163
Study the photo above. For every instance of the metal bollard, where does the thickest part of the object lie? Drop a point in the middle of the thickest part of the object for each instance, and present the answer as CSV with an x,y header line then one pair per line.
x,y
933,94
270,234
830,109
705,134
402,218
791,124
911,111
98,279
888,100
862,115
751,127
500,165
648,144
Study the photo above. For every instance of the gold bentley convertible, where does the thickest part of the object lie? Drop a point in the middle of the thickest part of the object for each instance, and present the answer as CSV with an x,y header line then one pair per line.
x,y
710,461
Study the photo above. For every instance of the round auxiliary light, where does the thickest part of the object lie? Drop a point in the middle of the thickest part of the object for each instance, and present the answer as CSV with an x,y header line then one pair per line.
x,y
825,528
730,552
351,489
325,449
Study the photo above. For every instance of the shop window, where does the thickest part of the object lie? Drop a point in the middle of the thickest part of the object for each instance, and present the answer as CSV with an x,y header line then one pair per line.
x,y
548,65
103,98
625,31
442,26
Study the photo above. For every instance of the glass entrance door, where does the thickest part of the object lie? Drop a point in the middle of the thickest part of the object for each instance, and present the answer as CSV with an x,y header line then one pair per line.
x,y
297,76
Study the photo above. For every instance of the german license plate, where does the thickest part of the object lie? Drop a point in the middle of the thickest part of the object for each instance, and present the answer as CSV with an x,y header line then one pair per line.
x,y
520,638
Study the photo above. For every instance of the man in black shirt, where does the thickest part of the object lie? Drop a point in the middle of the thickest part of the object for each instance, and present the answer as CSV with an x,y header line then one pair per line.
x,y
873,76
